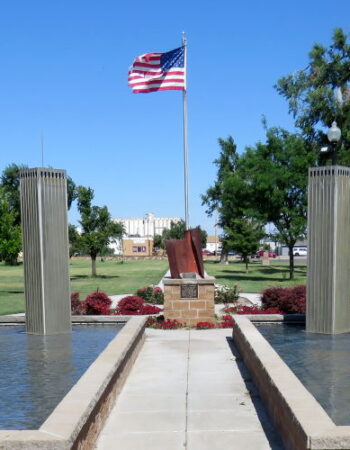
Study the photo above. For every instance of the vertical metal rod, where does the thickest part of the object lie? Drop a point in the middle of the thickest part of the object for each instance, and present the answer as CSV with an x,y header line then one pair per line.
x,y
184,98
42,150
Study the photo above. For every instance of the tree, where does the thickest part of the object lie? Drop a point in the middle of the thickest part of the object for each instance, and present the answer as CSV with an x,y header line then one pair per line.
x,y
72,192
277,175
10,231
243,235
73,237
177,231
157,241
98,229
10,183
320,93
227,165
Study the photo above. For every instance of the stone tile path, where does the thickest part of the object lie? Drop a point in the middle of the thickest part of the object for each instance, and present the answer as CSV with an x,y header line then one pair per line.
x,y
188,390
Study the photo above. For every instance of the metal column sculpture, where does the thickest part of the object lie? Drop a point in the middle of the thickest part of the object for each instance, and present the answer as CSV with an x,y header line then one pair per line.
x,y
45,248
328,285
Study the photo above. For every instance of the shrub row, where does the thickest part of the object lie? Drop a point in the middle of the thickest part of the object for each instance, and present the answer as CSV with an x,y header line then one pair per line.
x,y
226,294
98,303
151,294
134,305
242,309
169,324
290,300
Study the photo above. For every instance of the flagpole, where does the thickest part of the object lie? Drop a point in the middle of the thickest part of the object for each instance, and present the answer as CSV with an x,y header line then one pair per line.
x,y
184,104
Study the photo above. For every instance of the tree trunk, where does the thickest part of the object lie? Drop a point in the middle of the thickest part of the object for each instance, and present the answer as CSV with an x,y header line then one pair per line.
x,y
291,262
93,266
246,260
223,257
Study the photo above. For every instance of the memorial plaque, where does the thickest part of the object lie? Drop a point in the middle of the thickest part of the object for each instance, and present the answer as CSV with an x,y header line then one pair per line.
x,y
189,291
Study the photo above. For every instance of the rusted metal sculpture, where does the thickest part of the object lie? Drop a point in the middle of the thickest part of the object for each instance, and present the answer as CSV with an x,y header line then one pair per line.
x,y
185,255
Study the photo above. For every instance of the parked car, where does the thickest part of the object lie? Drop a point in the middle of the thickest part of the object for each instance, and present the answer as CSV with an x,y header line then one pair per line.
x,y
260,253
300,251
206,252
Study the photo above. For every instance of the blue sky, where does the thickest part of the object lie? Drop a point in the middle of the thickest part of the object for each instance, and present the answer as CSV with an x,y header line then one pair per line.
x,y
64,74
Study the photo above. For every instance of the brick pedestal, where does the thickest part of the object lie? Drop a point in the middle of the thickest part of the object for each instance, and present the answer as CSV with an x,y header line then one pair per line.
x,y
189,300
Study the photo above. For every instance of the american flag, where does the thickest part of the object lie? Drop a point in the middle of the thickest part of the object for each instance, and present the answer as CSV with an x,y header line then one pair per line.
x,y
158,72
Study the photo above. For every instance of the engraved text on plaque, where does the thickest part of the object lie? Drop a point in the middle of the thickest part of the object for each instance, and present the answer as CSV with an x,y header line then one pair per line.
x,y
189,291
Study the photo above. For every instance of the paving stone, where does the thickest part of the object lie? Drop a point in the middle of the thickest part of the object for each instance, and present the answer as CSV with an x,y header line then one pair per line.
x,y
188,379
139,441
233,440
152,401
139,421
240,418
209,402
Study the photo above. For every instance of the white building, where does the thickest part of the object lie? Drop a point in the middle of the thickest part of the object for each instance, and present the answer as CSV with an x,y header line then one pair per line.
x,y
213,244
142,227
147,226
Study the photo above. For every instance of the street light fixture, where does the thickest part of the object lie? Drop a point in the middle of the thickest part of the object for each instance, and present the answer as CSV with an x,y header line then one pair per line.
x,y
334,135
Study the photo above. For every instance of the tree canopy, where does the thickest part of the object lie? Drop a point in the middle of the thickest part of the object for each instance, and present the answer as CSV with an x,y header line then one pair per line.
x,y
277,175
10,230
10,184
10,181
213,198
320,93
177,231
98,228
230,197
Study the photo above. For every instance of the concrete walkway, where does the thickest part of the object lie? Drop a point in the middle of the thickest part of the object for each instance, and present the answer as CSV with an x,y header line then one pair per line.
x,y
188,390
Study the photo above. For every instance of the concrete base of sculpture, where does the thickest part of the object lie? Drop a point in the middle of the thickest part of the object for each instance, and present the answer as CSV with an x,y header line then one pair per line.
x,y
328,284
189,300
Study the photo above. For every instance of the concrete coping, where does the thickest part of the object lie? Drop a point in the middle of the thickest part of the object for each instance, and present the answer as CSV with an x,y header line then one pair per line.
x,y
70,421
276,318
296,413
178,281
81,319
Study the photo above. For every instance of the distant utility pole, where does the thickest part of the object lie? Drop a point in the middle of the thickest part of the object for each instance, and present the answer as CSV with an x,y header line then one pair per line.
x,y
42,150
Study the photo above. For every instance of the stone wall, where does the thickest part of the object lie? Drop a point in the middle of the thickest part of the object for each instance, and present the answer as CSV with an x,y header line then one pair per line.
x,y
189,300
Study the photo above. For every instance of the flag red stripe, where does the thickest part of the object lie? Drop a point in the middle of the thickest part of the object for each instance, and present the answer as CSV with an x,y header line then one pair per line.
x,y
168,80
173,88
146,74
143,64
163,74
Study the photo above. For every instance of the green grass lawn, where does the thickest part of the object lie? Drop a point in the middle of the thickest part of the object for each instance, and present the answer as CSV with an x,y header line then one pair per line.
x,y
259,277
114,277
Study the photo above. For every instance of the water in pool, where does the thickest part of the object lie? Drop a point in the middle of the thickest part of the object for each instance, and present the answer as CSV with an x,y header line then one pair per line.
x,y
320,361
38,371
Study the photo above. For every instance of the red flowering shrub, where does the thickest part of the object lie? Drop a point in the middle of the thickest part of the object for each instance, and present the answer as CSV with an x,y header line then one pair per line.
x,y
226,322
135,306
97,303
205,325
160,323
77,307
290,300
241,309
130,305
150,309
151,294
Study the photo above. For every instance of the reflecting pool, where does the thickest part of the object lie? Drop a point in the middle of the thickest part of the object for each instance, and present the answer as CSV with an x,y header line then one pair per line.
x,y
320,361
36,372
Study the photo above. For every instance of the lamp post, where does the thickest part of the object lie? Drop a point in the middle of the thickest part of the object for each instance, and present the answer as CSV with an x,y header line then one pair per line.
x,y
334,135
328,281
